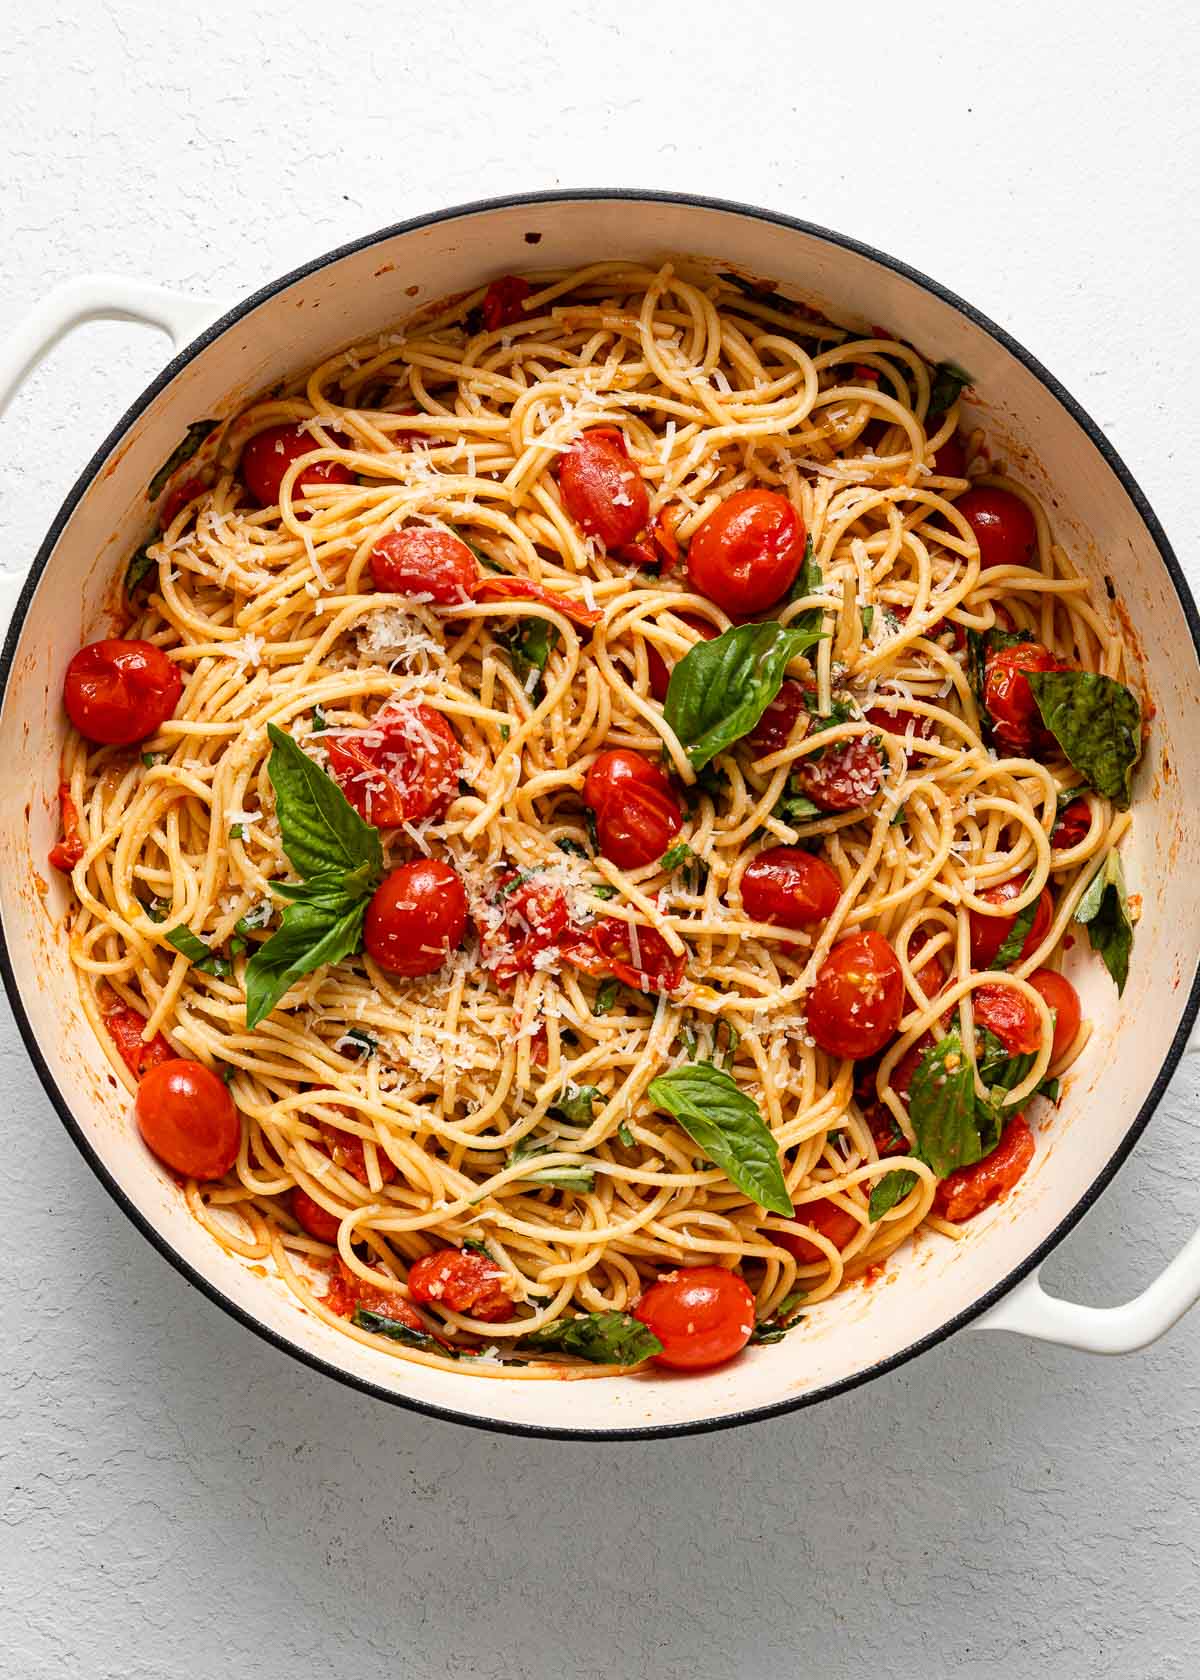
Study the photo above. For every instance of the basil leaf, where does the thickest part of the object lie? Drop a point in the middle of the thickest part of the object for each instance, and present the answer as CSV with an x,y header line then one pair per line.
x,y
981,643
183,451
137,569
361,1041
886,1192
1002,1072
321,830
605,1338
260,916
150,759
1104,911
157,909
200,954
941,1106
397,1331
784,1318
729,1129
562,1178
606,996
478,1248
810,580
1014,939
625,1136
793,806
676,855
604,891
238,832
720,689
868,618
575,1103
320,723
1097,722
948,383
528,646
572,848
900,816
320,929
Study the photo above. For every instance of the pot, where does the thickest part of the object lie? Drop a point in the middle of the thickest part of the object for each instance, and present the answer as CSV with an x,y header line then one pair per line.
x,y
933,1287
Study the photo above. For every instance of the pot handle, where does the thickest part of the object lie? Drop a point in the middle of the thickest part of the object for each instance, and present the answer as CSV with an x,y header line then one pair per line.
x,y
97,297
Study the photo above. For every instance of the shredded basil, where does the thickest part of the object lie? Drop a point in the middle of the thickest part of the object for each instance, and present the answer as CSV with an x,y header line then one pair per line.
x,y
604,1338
1104,911
183,451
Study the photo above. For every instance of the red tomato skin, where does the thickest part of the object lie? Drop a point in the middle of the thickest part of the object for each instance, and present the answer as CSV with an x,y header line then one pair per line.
x,y
775,727
607,948
789,887
186,1117
1004,527
66,853
419,561
403,767
464,1281
504,302
1060,996
660,676
824,1216
345,1150
899,723
1006,1013
268,455
950,458
602,490
525,589
858,999
535,919
971,1189
844,777
747,552
125,1028
637,813
347,1292
988,933
312,1217
119,692
417,916
702,1315
1073,826
1016,721
177,499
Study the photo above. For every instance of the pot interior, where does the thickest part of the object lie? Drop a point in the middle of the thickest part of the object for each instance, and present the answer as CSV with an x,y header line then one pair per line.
x,y
363,291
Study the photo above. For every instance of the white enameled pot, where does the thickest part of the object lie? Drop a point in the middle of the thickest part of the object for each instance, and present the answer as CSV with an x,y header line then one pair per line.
x,y
224,358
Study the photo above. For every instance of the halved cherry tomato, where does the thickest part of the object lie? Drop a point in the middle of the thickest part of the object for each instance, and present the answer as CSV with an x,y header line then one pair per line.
x,y
602,490
747,552
988,933
637,813
1013,1019
841,777
1004,527
702,1315
775,727
419,561
824,1216
504,301
345,1150
1016,721
969,1190
268,455
464,1281
534,917
950,458
660,676
789,887
607,947
418,915
312,1217
178,499
347,1292
1073,826
119,692
524,589
404,766
186,1116
66,853
856,1003
1062,998
125,1028
901,722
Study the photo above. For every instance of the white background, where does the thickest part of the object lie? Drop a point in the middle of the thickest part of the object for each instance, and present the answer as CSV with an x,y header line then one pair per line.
x,y
179,1498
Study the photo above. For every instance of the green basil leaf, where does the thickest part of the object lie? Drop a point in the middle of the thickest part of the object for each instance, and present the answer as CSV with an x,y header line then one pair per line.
x,y
473,1247
200,954
720,689
321,830
887,1191
157,909
1104,911
604,890
606,996
900,816
625,1136
572,848
183,451
729,1129
576,1102
397,1331
562,1178
1014,939
784,1318
529,645
238,832
150,759
941,1106
228,1073
320,930
320,722
362,1042
868,618
810,580
604,1338
260,916
1097,722
675,856
793,806
948,383
139,567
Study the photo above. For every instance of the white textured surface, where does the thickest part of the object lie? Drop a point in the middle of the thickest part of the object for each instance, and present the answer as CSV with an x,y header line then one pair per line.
x,y
179,1498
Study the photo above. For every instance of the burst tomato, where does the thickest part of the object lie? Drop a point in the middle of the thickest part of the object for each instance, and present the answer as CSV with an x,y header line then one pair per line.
x,y
504,302
608,947
66,853
1012,1018
418,915
345,1150
177,499
789,887
424,563
950,458
988,933
1063,1000
404,766
187,1118
1016,721
827,1218
971,1189
1073,825
856,1003
776,726
702,1315
347,1292
268,455
533,919
841,777
900,722
637,813
524,589
1004,527
312,1217
464,1281
747,553
125,1028
602,490
660,676
119,692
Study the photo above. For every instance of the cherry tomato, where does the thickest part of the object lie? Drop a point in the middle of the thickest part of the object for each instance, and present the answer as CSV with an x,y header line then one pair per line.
x,y
607,947
504,302
950,458
971,1189
524,589
345,1150
842,777
775,728
789,887
1011,1017
464,1281
900,722
178,499
348,1292
119,692
533,919
988,933
856,1003
417,916
66,853
637,813
268,455
702,1315
660,676
125,1028
312,1217
885,1129
602,490
1073,826
747,552
1016,721
1004,527
1062,998
827,1218
404,766
187,1117
426,563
